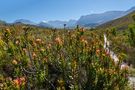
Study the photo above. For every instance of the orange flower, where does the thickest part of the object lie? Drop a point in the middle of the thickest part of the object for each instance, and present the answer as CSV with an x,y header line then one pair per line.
x,y
49,46
34,54
19,81
58,40
16,82
38,41
45,59
23,79
97,52
84,41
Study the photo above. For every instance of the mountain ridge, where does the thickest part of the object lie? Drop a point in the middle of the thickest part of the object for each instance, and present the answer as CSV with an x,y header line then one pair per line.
x,y
90,20
120,23
103,17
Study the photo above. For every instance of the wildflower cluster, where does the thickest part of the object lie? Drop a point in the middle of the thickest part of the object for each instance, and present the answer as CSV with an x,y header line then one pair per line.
x,y
57,60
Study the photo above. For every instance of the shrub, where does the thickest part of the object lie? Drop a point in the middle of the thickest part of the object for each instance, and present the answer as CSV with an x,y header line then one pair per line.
x,y
67,60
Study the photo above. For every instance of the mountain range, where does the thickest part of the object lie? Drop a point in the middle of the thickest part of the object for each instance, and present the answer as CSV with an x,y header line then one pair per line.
x,y
24,21
120,23
91,20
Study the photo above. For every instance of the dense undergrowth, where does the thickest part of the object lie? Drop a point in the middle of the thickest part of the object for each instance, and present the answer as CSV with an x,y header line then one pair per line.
x,y
32,59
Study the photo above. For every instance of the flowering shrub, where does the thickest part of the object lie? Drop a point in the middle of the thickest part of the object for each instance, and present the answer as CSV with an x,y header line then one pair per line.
x,y
57,60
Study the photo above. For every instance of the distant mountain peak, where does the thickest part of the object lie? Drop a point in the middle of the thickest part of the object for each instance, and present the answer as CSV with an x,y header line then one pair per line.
x,y
44,24
130,10
121,23
25,21
44,21
60,24
100,18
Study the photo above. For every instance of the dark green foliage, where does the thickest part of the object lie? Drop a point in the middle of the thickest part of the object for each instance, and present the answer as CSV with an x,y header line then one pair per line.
x,y
132,36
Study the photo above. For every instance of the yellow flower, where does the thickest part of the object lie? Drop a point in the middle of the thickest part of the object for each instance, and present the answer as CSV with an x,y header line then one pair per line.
x,y
74,64
49,46
42,49
84,41
103,55
61,82
73,36
7,30
1,85
17,42
14,62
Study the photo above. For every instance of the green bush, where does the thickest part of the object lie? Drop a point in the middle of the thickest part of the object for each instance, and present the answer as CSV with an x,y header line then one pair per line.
x,y
60,60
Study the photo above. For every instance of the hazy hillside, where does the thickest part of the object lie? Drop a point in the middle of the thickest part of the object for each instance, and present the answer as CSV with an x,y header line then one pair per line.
x,y
44,24
120,23
99,18
59,24
2,22
24,21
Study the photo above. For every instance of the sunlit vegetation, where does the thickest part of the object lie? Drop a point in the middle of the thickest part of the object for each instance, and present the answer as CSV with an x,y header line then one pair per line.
x,y
37,58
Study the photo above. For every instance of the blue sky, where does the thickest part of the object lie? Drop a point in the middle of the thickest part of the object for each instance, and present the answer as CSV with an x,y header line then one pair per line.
x,y
39,10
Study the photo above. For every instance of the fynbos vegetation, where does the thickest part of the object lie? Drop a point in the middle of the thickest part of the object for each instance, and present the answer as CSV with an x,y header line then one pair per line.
x,y
34,59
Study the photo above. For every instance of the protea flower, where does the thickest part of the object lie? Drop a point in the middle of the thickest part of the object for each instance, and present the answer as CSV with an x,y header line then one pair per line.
x,y
58,40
